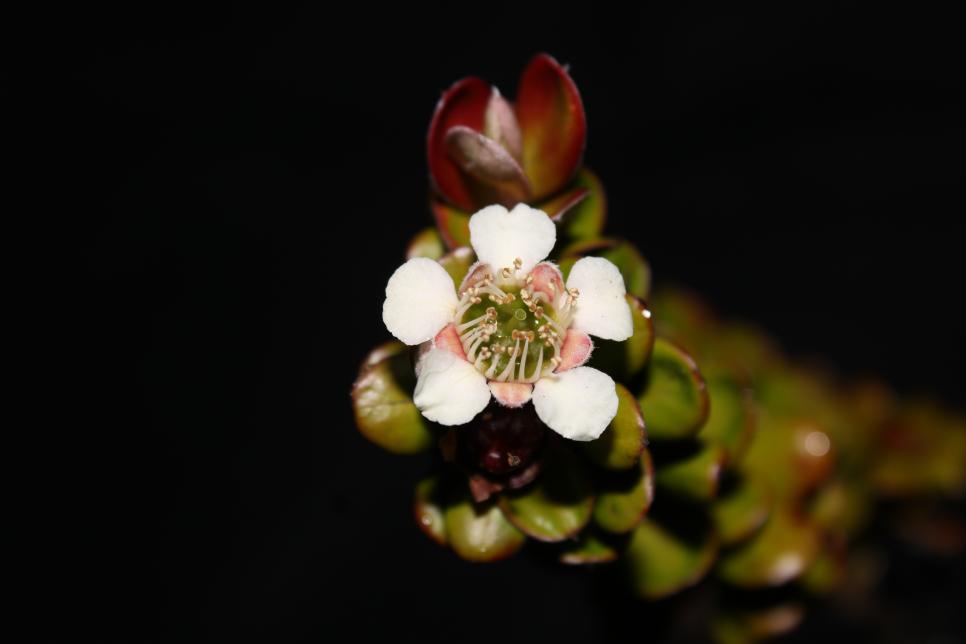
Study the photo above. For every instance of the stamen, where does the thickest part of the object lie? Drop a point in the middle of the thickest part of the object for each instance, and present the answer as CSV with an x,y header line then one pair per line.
x,y
496,360
471,354
536,372
472,322
523,358
492,290
464,306
470,335
509,367
556,327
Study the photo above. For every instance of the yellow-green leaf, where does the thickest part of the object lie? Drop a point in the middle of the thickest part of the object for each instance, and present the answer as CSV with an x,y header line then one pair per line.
x,y
675,399
383,403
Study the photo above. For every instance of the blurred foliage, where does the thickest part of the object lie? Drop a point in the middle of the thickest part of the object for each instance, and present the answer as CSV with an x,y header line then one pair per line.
x,y
727,463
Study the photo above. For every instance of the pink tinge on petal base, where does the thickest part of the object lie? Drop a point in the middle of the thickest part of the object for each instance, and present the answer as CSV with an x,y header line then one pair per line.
x,y
548,280
476,274
511,394
575,351
449,340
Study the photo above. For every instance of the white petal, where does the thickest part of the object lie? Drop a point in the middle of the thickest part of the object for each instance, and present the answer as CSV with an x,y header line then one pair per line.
x,y
602,309
449,390
499,237
577,404
420,300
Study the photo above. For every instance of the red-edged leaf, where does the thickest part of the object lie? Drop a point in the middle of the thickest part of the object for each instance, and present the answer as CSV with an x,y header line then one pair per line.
x,y
552,120
559,207
583,218
464,103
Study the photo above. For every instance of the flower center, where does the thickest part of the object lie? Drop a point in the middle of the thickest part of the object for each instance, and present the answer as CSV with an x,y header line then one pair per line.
x,y
513,332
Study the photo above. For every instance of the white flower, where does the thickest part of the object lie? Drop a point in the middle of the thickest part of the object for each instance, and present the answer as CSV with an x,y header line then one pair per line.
x,y
512,329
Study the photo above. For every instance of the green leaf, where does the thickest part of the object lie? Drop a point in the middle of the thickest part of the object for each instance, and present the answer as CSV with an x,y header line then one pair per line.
x,y
588,548
586,219
558,504
481,532
741,511
695,475
675,399
757,624
426,243
782,551
383,404
457,263
624,360
842,507
453,224
792,454
660,561
622,253
428,509
621,444
624,497
826,573
731,418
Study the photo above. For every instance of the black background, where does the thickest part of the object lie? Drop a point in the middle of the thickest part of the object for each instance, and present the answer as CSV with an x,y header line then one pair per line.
x,y
248,182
